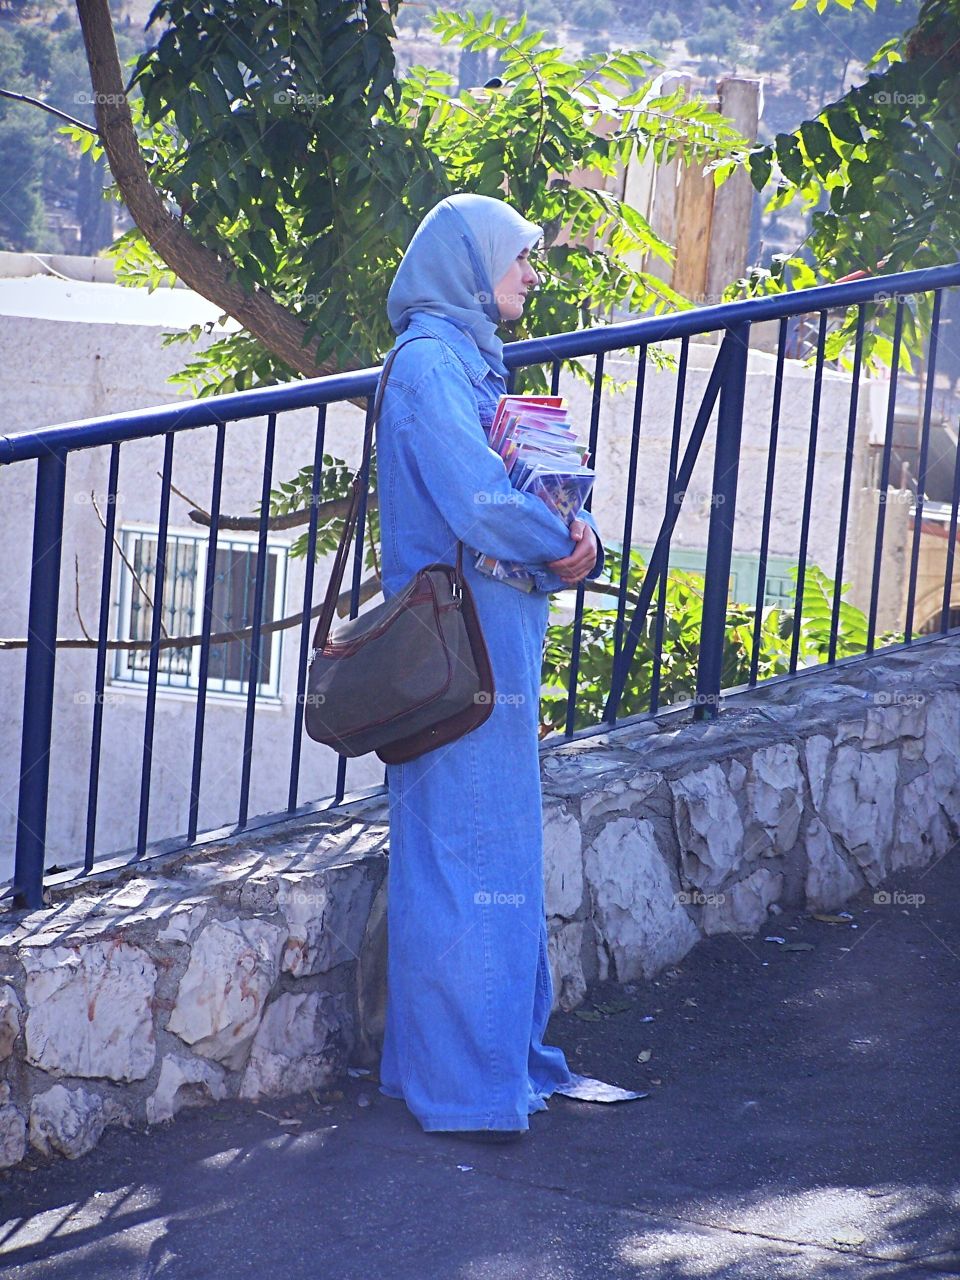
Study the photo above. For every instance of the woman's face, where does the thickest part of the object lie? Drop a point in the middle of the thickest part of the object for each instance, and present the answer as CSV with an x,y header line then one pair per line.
x,y
510,292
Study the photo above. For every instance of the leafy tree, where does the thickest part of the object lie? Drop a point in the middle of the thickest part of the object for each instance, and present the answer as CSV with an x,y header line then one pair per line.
x,y
518,140
299,166
47,64
878,170
591,14
718,34
530,139
21,209
664,29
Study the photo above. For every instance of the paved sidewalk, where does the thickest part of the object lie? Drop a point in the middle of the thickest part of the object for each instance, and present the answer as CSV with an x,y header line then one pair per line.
x,y
803,1120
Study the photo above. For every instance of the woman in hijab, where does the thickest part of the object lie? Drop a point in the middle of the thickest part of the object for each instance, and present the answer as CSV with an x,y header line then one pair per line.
x,y
469,988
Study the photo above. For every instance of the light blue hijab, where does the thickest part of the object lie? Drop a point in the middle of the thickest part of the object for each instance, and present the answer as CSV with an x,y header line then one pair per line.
x,y
460,250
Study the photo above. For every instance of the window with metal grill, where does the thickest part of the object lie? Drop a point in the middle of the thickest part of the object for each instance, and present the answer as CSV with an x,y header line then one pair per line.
x,y
233,600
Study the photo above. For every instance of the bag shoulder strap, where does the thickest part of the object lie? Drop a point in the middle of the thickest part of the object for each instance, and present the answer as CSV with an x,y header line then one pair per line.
x,y
322,630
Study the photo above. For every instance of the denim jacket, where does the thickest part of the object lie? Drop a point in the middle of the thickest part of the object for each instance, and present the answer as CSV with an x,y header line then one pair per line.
x,y
434,459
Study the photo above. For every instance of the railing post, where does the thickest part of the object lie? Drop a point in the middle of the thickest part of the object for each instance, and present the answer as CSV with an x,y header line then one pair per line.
x,y
38,681
726,464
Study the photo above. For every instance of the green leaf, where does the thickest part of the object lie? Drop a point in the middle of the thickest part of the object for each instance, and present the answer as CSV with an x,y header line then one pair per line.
x,y
819,146
789,157
760,164
843,125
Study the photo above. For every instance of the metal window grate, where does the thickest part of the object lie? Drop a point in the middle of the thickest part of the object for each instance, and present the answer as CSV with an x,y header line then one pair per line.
x,y
234,587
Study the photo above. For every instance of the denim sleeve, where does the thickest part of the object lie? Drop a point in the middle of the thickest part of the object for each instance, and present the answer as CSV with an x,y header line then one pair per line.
x,y
468,481
595,572
547,580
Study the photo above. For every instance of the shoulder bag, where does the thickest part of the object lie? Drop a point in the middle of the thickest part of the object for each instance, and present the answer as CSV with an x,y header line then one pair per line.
x,y
407,676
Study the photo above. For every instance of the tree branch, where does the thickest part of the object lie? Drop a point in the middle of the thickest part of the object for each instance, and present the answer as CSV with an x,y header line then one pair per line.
x,y
368,589
332,509
126,560
54,111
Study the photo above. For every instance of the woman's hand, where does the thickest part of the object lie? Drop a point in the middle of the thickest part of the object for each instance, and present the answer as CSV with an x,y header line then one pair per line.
x,y
577,565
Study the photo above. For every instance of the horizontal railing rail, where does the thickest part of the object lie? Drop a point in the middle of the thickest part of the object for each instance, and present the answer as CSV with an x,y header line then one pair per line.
x,y
723,396
312,392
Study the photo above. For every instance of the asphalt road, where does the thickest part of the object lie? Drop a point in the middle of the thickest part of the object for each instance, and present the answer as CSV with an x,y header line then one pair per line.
x,y
802,1120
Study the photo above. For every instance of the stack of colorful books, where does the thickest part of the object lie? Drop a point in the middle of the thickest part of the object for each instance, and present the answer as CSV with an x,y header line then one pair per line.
x,y
543,457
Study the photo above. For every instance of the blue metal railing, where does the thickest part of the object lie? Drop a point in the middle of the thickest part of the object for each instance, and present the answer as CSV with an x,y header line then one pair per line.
x,y
725,391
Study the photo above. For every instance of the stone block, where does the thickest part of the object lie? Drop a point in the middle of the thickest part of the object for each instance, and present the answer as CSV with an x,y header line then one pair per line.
x,y
184,1082
736,772
858,806
562,863
221,997
66,1122
742,907
890,721
849,730
923,829
637,909
816,753
89,1010
326,914
709,826
13,1136
941,749
775,793
565,953
10,1010
371,980
619,796
301,1043
829,881
185,919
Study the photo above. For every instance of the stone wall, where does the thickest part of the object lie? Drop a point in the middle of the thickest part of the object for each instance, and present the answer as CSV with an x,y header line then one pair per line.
x,y
255,968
